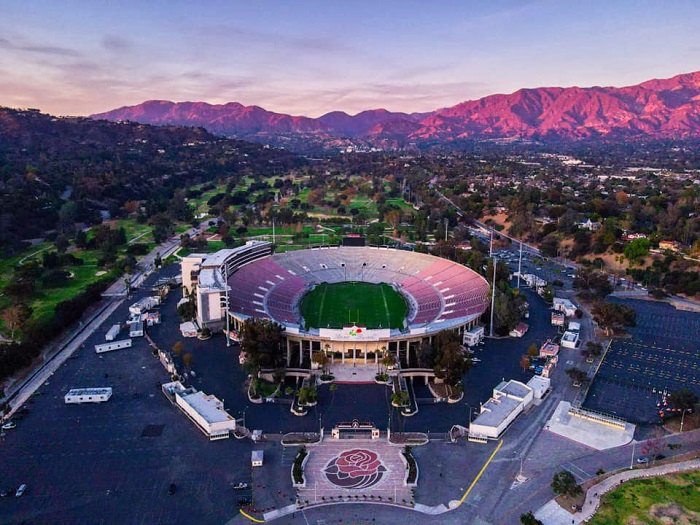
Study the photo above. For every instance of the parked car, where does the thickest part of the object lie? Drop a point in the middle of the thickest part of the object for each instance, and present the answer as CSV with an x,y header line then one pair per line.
x,y
9,425
22,488
172,488
642,460
5,492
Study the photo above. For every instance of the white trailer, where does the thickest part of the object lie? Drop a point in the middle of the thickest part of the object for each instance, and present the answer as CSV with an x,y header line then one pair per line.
x,y
565,306
114,345
136,329
143,305
113,332
88,395
474,336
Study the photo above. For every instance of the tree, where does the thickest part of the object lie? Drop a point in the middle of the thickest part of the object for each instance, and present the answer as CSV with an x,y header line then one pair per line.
x,y
307,394
613,317
683,399
564,483
321,359
450,364
637,249
524,362
187,360
261,340
187,310
15,317
426,354
577,375
178,347
529,519
388,361
533,350
594,349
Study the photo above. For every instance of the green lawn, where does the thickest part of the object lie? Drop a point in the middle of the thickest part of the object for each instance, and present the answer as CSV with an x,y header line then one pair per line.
x,y
652,501
365,304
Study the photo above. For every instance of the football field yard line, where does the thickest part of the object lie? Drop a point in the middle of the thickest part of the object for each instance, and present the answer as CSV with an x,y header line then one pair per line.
x,y
386,308
320,306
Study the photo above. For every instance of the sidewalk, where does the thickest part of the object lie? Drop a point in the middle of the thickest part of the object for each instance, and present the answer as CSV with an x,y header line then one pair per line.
x,y
553,514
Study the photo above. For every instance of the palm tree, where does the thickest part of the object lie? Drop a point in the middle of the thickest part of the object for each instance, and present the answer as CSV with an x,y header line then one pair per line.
x,y
388,360
321,359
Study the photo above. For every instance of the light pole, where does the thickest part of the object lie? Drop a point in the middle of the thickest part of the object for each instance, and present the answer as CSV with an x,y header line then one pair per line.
x,y
447,221
634,444
226,312
493,294
520,263
683,417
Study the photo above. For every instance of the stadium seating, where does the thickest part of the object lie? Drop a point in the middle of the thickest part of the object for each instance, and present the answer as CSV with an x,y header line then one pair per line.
x,y
437,289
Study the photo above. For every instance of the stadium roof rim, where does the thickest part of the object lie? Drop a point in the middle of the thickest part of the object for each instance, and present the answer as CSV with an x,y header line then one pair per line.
x,y
440,293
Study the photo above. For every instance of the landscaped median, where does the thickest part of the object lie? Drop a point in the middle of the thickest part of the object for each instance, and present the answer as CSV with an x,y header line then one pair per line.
x,y
298,479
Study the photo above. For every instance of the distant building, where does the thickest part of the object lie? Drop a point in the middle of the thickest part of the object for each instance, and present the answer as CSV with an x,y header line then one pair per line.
x,y
590,225
672,246
633,236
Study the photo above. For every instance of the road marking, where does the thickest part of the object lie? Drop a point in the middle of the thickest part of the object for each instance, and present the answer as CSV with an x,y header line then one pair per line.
x,y
481,472
573,469
251,518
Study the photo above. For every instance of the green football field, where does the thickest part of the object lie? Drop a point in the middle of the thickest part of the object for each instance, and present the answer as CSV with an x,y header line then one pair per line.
x,y
364,304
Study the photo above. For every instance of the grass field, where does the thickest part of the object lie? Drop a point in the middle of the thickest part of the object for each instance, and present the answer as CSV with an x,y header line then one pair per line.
x,y
365,304
665,499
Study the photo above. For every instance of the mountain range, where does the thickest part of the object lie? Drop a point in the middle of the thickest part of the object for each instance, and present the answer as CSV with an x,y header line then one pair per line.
x,y
657,109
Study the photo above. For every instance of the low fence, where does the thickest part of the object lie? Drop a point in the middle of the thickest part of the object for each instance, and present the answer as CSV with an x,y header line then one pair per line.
x,y
598,417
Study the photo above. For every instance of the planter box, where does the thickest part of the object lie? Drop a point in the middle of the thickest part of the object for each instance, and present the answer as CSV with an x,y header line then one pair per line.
x,y
303,464
406,464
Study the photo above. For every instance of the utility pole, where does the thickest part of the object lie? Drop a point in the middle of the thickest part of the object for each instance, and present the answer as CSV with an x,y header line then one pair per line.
x,y
520,262
493,293
226,313
273,230
447,221
491,243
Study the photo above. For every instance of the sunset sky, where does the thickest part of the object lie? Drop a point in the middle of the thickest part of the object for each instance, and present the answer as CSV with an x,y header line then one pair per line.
x,y
311,57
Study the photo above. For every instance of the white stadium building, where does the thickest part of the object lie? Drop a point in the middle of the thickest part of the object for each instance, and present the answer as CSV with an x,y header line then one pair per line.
x,y
440,294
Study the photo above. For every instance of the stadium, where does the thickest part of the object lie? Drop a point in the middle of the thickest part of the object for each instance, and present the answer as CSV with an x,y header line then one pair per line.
x,y
355,303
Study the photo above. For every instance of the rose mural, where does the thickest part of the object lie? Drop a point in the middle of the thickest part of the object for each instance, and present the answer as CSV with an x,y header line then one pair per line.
x,y
355,469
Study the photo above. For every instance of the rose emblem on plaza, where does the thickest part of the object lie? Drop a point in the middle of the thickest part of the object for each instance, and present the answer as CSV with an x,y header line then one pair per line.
x,y
355,469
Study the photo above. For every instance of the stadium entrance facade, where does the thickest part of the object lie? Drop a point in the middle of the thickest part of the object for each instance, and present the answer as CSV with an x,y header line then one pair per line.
x,y
251,282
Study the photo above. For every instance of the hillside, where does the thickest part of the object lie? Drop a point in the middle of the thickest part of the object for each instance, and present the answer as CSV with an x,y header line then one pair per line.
x,y
656,109
55,172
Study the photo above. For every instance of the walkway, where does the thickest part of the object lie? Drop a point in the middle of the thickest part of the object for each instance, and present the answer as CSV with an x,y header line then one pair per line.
x,y
593,434
357,372
376,465
553,514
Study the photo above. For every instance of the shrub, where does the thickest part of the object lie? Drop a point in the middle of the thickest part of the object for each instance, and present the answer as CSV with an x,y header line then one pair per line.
x,y
297,470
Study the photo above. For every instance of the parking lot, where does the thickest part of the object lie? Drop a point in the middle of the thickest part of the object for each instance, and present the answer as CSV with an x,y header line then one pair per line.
x,y
661,355
114,462
218,372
